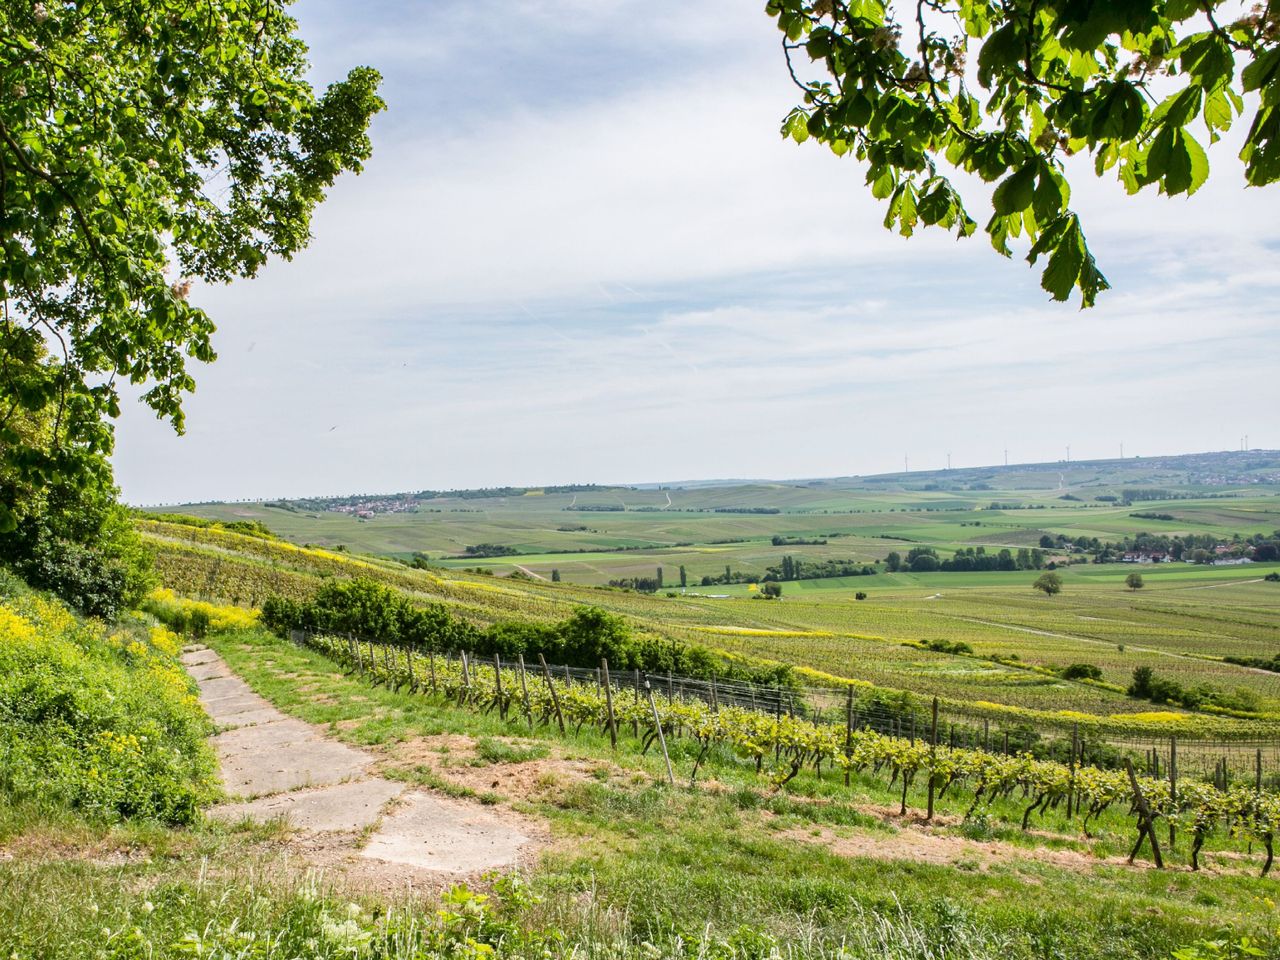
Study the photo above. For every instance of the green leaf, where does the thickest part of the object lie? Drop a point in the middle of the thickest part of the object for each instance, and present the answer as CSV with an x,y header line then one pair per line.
x,y
1051,194
1120,114
1199,162
1209,60
1059,277
1259,73
1014,193
1187,167
883,184
1217,114
1159,155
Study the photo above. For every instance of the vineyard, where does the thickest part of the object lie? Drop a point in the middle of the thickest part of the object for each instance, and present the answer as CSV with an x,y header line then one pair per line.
x,y
782,745
831,643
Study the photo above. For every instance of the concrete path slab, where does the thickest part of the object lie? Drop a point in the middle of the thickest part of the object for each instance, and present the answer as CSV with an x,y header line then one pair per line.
x,y
344,807
208,670
194,656
434,834
275,734
227,710
290,768
226,685
248,718
308,763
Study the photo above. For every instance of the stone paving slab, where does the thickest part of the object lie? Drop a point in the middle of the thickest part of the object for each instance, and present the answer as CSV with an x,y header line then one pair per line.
x,y
344,807
230,710
226,685
310,763
249,718
275,734
434,834
208,670
291,769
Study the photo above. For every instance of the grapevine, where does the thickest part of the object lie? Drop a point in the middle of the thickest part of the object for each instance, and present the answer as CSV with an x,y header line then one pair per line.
x,y
797,742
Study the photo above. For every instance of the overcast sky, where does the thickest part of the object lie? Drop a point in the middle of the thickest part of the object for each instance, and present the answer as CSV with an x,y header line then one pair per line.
x,y
582,253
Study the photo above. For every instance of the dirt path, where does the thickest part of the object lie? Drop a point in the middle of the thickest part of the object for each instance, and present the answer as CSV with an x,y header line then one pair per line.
x,y
277,767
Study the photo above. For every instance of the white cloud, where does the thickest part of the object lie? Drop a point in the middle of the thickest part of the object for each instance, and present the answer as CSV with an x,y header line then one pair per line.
x,y
587,266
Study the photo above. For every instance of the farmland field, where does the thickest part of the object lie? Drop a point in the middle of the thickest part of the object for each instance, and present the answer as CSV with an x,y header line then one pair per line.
x,y
1181,623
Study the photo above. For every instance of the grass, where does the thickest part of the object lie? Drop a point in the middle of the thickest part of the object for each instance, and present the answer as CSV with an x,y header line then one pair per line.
x,y
634,868
688,859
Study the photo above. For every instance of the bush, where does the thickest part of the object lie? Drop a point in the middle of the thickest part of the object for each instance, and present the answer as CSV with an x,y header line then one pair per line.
x,y
195,616
1082,671
99,721
365,608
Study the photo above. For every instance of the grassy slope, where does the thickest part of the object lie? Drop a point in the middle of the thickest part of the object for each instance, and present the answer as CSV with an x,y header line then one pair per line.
x,y
631,860
1183,611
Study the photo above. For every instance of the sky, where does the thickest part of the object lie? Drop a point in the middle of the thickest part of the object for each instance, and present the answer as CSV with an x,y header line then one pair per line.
x,y
582,252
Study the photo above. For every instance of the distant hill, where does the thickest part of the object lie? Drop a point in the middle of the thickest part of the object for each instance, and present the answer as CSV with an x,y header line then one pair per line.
x,y
1201,473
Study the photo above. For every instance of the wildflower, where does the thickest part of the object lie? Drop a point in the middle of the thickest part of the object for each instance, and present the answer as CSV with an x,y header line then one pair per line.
x,y
148,907
40,12
151,163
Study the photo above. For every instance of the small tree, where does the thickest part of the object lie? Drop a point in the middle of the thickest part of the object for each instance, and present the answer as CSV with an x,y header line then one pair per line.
x,y
772,590
1049,584
684,577
1134,581
555,576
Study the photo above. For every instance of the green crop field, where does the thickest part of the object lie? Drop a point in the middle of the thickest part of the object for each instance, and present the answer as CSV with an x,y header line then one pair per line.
x,y
1181,623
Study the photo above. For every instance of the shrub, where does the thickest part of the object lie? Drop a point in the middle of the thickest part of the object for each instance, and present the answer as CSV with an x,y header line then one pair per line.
x,y
365,608
1082,671
103,722
195,616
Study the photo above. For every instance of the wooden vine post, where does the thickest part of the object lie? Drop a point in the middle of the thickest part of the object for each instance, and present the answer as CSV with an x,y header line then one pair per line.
x,y
413,683
1146,819
555,697
608,703
431,663
635,716
662,740
848,732
933,751
1173,787
497,682
524,690
1071,767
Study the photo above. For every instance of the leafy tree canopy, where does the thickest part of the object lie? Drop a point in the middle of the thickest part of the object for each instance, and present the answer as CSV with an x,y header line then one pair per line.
x,y
144,144
1137,85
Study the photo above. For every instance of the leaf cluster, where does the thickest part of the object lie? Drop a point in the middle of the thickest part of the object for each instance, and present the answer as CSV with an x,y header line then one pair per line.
x,y
1134,84
144,145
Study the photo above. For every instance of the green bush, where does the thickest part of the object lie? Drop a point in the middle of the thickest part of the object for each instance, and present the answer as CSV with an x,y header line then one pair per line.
x,y
101,721
1082,671
365,608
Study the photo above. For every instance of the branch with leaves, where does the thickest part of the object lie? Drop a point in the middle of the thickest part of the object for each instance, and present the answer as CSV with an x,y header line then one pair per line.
x,y
1135,85
144,145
